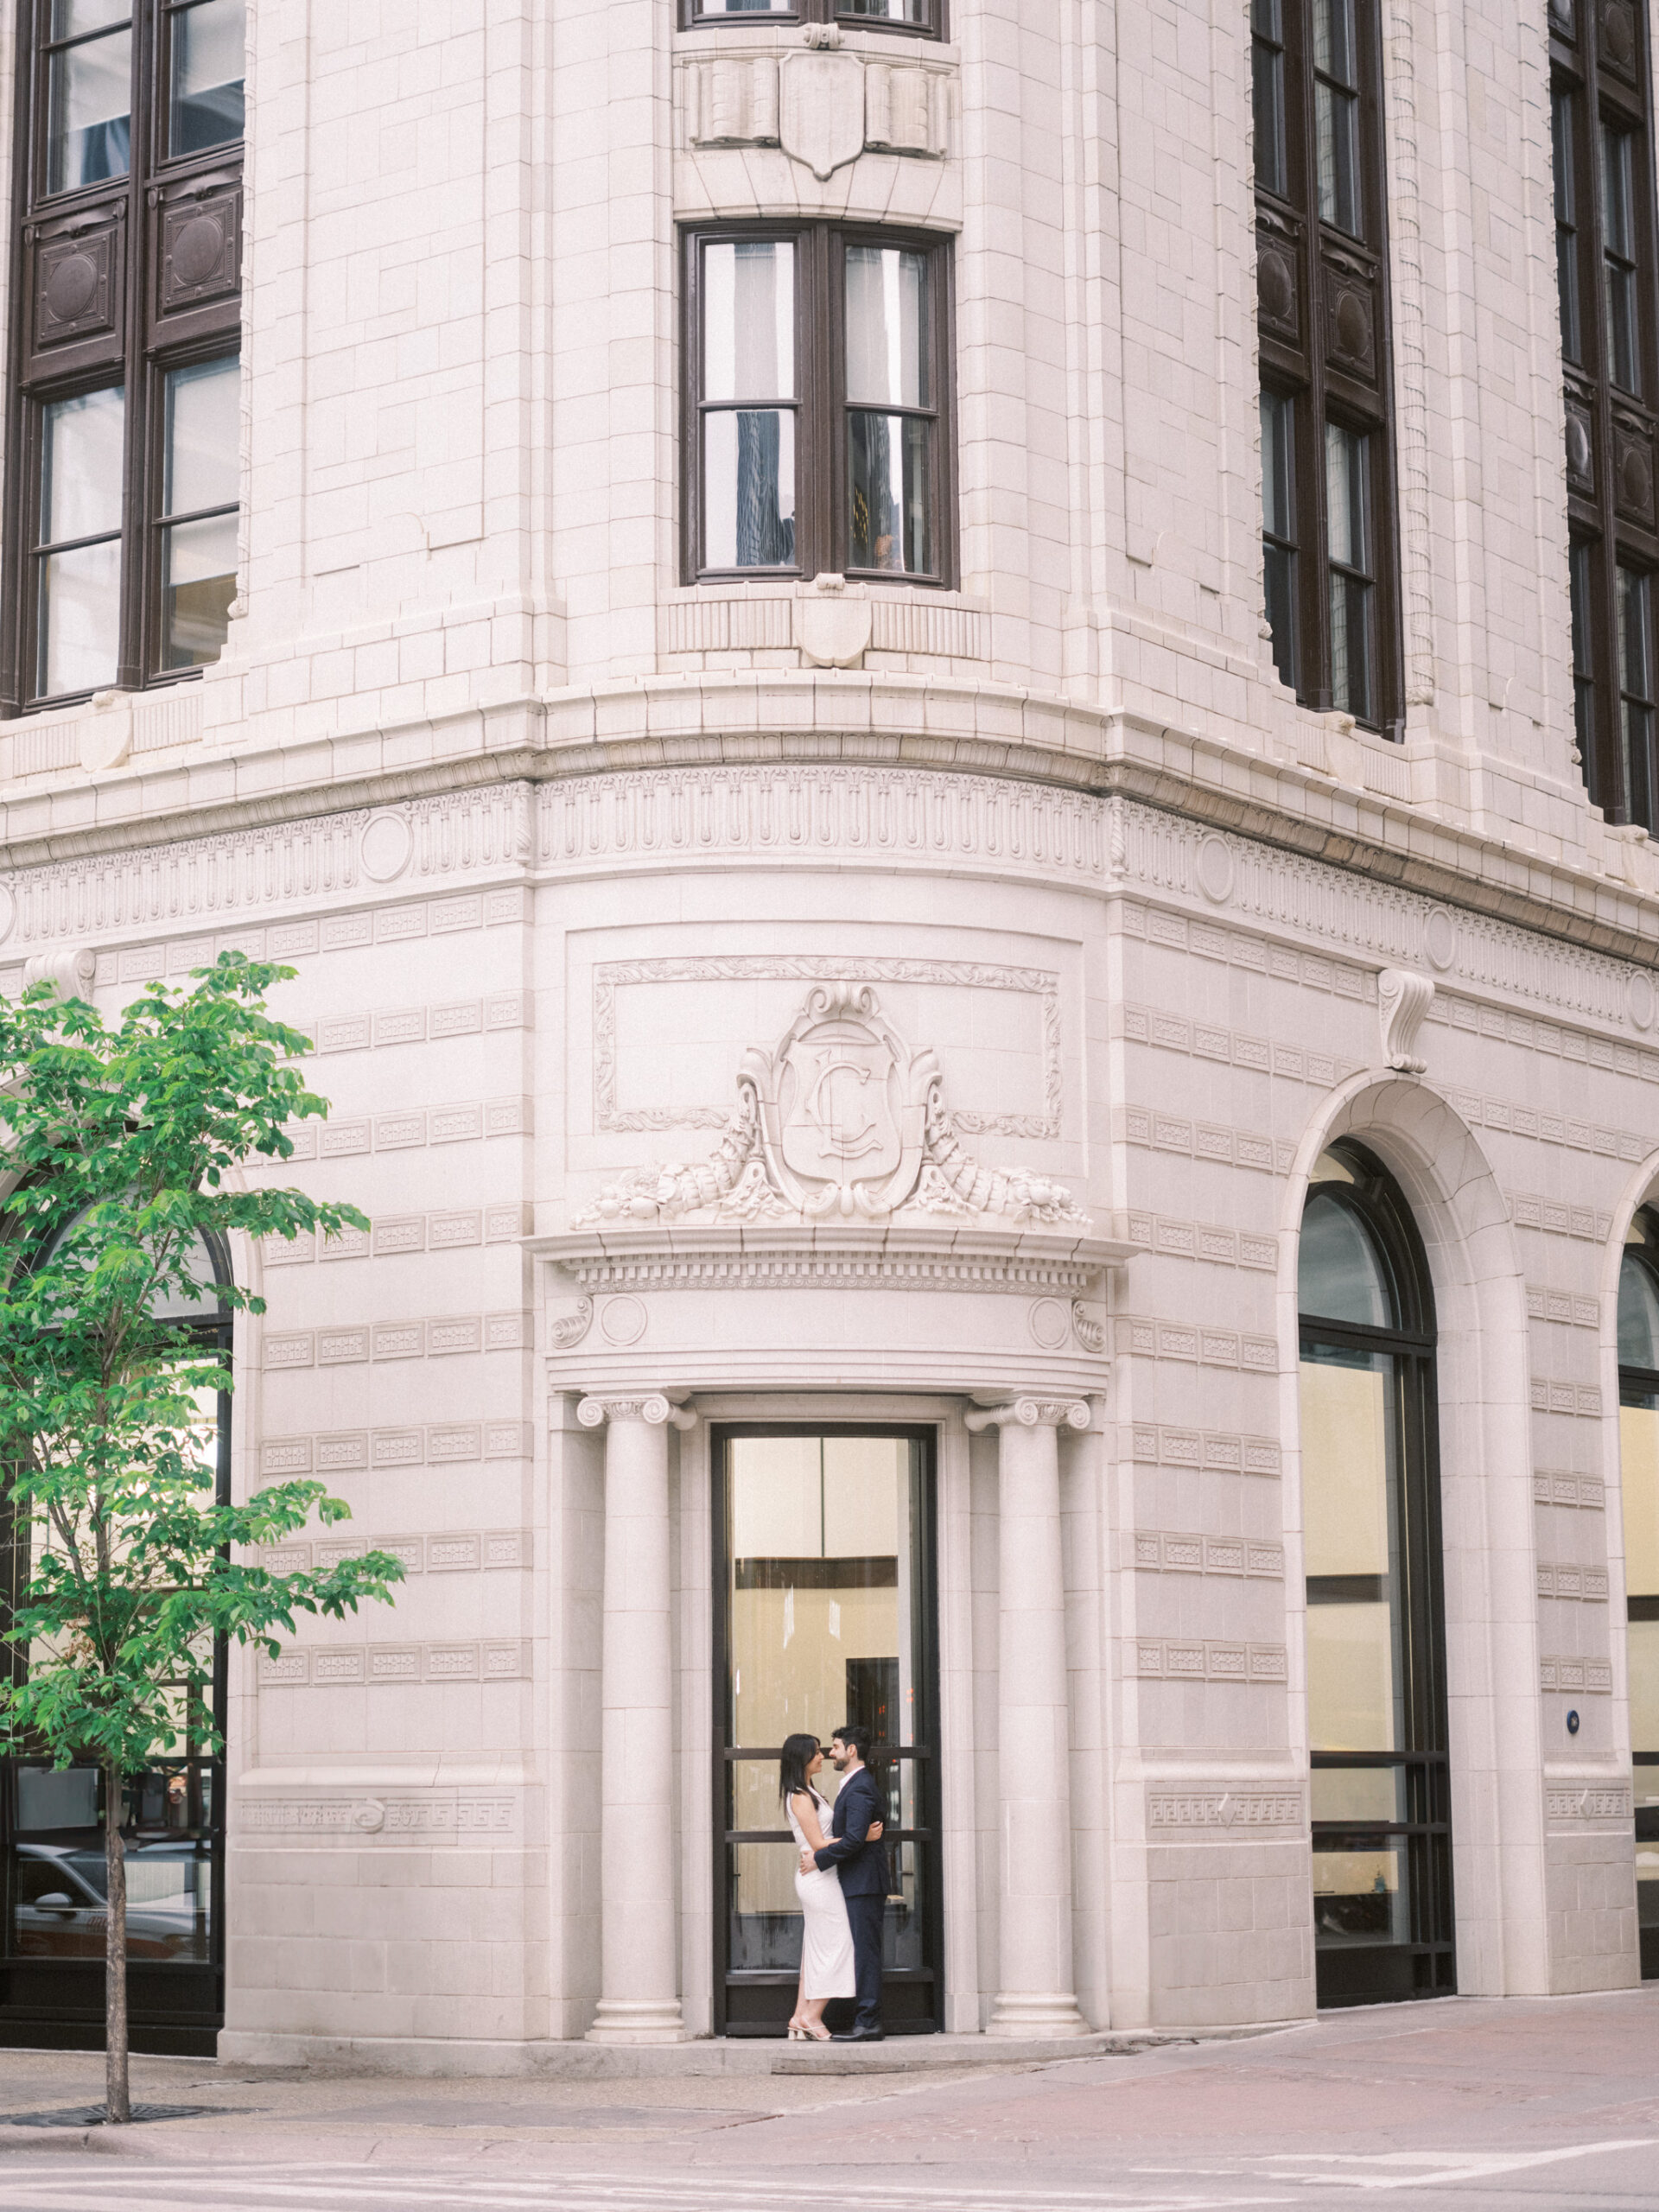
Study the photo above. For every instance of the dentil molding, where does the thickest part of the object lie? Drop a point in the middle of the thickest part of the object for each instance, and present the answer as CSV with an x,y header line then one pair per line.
x,y
882,814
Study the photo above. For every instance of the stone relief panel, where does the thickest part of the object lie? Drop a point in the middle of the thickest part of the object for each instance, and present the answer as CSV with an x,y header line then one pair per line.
x,y
844,1119
1007,1017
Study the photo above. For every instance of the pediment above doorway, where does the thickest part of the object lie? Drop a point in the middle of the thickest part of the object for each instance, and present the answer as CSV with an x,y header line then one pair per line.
x,y
853,1240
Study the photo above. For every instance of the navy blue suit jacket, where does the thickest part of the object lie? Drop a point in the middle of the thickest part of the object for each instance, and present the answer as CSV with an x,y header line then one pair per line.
x,y
862,1866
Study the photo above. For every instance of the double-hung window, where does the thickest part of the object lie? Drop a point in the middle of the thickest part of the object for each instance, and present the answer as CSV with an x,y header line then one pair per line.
x,y
1602,139
121,533
817,417
1329,530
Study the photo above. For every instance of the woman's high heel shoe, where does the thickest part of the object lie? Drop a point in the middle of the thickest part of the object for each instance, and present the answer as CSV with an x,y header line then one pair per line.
x,y
796,2033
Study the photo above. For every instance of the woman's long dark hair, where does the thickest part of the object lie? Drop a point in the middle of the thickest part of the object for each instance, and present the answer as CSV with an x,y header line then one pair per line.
x,y
798,1754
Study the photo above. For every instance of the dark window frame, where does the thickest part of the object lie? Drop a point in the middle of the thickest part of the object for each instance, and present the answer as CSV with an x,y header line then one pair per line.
x,y
821,536
1639,1386
1325,344
757,2003
934,26
176,2008
1427,1965
148,314
1610,433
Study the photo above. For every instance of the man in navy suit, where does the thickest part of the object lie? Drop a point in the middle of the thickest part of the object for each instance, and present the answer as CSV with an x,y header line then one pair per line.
x,y
862,1867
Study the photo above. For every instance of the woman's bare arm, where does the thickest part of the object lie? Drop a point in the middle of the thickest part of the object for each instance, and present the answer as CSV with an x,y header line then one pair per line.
x,y
804,1807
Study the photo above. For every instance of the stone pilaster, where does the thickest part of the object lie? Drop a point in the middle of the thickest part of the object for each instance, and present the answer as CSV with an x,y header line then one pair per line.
x,y
639,1938
1035,1995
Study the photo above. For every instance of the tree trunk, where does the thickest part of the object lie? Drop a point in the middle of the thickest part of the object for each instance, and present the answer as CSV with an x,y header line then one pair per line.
x,y
117,2110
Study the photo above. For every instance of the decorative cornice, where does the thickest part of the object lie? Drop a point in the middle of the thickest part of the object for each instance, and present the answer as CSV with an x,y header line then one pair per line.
x,y
1022,787
738,1256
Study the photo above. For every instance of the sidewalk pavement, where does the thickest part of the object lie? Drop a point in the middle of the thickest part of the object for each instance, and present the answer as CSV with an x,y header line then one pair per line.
x,y
1544,2102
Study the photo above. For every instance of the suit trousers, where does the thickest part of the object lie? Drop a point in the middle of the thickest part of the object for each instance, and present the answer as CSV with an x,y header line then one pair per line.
x,y
866,1915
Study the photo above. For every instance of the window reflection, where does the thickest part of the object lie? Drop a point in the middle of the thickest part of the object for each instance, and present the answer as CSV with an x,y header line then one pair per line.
x,y
889,454
748,449
209,49
59,1889
200,506
88,94
79,554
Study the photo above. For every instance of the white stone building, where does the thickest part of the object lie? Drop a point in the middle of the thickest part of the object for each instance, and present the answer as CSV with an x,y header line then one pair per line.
x,y
843,946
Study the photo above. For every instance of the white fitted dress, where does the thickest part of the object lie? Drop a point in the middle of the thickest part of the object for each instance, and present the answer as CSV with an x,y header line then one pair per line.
x,y
827,1934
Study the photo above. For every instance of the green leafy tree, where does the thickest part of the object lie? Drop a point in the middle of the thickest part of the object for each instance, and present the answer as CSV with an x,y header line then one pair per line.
x,y
122,1143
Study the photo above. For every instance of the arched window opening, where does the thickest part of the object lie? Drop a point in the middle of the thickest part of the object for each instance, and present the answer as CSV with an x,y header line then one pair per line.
x,y
1375,1626
1638,1439
173,1816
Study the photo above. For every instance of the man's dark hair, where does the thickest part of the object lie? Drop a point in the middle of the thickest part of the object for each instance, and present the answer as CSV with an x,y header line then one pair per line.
x,y
859,1737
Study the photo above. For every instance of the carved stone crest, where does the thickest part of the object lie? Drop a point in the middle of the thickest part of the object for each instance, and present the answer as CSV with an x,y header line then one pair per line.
x,y
821,110
842,1106
842,1120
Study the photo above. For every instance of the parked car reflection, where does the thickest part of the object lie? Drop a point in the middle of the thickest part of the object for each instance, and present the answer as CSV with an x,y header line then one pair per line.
x,y
61,1906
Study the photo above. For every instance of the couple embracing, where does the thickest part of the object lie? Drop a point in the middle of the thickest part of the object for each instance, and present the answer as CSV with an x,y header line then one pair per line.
x,y
842,1882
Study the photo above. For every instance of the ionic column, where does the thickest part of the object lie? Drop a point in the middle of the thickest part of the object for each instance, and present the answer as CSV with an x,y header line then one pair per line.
x,y
1035,1995
639,1935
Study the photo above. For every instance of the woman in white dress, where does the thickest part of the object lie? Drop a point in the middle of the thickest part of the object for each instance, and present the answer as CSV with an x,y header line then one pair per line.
x,y
826,1933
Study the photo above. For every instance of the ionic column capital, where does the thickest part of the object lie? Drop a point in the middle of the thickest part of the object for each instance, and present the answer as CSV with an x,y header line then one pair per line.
x,y
653,1407
1031,1412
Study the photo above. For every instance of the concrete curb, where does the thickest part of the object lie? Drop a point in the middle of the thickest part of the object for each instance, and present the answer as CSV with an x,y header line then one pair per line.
x,y
329,2057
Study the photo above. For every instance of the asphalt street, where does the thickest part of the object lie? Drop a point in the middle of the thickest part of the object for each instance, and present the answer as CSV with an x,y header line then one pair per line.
x,y
1540,2106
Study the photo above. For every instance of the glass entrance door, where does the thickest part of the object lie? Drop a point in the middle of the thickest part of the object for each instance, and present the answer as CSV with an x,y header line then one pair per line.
x,y
824,1579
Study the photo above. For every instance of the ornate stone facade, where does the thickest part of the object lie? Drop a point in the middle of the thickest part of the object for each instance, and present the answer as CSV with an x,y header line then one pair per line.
x,y
735,1013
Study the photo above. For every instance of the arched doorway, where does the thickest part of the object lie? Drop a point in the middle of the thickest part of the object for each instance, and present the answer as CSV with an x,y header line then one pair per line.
x,y
52,1913
1638,1438
1376,1613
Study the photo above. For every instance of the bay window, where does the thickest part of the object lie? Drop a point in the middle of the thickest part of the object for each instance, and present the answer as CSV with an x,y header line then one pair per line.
x,y
817,420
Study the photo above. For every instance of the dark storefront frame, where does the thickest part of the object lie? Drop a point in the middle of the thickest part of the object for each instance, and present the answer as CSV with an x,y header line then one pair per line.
x,y
759,2003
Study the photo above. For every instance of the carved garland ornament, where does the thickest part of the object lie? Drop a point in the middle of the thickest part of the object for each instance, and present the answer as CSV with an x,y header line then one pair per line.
x,y
844,1121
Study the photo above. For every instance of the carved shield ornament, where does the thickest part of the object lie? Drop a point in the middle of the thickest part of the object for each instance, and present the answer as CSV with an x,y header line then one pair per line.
x,y
842,1119
842,1106
821,110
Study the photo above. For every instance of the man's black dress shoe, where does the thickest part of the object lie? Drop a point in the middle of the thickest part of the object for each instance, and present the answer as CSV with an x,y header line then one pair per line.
x,y
857,2035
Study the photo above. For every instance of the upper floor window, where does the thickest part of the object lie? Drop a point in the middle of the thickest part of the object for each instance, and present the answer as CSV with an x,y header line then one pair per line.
x,y
923,17
123,439
1329,530
817,422
1601,132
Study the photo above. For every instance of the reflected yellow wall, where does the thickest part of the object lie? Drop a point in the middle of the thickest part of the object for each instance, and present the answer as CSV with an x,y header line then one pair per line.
x,y
1346,1468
